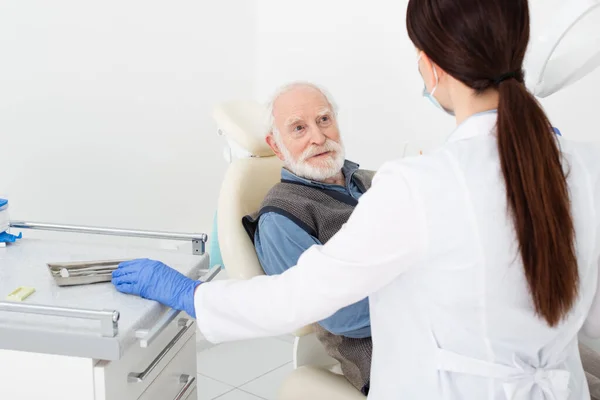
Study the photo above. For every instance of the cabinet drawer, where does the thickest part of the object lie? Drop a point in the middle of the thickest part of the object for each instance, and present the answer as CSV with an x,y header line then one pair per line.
x,y
130,376
193,395
178,380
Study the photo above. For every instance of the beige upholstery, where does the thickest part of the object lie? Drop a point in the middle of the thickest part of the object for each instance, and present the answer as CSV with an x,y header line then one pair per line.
x,y
246,183
314,383
244,122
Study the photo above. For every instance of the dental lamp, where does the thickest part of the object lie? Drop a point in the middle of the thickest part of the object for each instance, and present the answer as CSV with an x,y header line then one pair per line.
x,y
564,45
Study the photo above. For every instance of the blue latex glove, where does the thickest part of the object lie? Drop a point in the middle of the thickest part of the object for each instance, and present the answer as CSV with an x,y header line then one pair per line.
x,y
6,237
154,280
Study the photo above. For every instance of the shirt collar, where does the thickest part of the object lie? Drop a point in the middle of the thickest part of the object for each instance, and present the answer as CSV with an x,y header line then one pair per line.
x,y
348,170
480,124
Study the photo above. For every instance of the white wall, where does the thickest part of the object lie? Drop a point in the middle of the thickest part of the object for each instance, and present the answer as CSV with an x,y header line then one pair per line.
x,y
361,52
574,110
105,108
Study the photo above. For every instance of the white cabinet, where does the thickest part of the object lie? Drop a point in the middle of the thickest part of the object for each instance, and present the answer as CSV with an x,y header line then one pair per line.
x,y
138,374
27,376
89,342
193,395
165,370
178,380
130,376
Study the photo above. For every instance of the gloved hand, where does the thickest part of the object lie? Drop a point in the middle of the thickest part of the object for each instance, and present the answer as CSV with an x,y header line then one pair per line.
x,y
156,281
6,237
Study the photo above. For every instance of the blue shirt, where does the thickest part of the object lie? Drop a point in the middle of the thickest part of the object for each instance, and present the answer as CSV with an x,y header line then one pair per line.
x,y
280,242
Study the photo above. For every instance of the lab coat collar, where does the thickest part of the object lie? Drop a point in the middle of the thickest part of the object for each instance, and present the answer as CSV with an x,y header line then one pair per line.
x,y
483,123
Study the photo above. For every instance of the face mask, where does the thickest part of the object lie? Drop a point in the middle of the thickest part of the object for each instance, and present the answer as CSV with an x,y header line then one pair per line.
x,y
430,96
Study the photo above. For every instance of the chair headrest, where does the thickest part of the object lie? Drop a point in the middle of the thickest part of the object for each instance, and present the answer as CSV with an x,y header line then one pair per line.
x,y
245,123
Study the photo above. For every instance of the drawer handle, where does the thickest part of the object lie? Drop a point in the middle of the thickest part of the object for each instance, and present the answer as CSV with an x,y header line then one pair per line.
x,y
146,336
134,377
188,381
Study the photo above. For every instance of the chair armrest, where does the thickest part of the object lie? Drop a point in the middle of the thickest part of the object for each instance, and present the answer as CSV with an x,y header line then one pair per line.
x,y
317,384
308,351
307,330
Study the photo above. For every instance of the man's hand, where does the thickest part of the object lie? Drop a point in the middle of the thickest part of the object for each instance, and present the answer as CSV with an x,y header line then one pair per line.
x,y
156,281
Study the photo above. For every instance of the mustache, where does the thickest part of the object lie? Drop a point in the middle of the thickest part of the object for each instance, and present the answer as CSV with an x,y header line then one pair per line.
x,y
314,150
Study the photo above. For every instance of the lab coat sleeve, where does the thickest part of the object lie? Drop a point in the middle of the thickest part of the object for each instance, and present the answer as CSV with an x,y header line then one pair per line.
x,y
279,243
384,237
591,327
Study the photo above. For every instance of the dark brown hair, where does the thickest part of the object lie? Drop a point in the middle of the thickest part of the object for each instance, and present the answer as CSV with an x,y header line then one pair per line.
x,y
482,43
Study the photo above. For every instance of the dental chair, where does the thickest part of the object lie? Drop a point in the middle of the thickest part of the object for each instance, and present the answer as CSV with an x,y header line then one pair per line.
x,y
249,177
564,48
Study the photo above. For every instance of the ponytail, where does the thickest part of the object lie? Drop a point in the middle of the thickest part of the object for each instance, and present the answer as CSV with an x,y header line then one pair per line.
x,y
538,201
487,40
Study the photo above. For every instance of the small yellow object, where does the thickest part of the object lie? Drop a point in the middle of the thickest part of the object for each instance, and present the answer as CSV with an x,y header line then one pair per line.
x,y
420,152
20,293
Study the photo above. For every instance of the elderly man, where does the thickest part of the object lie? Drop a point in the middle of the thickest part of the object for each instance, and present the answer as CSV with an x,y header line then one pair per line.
x,y
318,191
316,196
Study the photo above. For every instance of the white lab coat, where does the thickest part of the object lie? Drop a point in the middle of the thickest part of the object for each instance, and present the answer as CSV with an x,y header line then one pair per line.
x,y
432,246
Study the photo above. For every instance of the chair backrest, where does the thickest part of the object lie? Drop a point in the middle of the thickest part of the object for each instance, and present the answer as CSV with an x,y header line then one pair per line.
x,y
245,185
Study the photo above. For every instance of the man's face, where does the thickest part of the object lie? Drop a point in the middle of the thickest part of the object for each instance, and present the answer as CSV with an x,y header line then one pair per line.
x,y
308,140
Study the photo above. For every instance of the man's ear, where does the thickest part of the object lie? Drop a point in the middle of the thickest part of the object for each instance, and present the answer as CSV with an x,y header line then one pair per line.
x,y
273,145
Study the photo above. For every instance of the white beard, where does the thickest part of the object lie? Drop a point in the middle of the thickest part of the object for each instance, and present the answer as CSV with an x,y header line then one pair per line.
x,y
329,167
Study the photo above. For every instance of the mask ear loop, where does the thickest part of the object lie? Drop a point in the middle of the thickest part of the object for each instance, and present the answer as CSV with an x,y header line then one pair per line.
x,y
437,81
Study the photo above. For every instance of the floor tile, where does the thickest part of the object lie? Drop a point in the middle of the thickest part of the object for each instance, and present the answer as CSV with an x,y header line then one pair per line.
x,y
237,363
238,395
203,344
267,386
208,388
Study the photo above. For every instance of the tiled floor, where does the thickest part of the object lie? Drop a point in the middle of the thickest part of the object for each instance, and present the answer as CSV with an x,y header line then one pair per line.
x,y
248,370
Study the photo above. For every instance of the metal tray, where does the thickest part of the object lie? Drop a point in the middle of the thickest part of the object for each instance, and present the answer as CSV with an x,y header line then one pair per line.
x,y
84,272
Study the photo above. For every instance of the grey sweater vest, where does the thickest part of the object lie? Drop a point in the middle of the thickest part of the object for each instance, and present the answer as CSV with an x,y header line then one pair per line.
x,y
321,213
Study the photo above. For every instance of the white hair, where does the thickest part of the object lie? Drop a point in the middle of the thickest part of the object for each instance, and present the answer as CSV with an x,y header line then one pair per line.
x,y
288,87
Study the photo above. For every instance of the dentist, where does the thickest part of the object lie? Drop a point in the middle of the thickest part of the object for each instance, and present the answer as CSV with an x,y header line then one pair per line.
x,y
480,260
